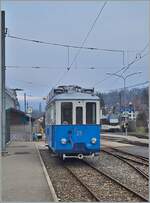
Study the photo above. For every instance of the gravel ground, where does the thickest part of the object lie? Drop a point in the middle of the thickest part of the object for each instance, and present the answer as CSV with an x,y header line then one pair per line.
x,y
102,186
128,155
122,172
69,189
66,186
144,168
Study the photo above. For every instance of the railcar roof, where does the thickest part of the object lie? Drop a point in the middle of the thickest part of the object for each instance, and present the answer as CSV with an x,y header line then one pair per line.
x,y
75,96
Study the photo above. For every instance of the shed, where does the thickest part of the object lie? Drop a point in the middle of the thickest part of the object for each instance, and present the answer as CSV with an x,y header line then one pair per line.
x,y
18,125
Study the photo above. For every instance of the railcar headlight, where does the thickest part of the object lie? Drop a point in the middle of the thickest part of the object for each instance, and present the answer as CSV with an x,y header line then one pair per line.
x,y
63,141
93,140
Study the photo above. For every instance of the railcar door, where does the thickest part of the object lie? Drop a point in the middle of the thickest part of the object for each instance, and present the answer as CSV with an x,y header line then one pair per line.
x,y
78,113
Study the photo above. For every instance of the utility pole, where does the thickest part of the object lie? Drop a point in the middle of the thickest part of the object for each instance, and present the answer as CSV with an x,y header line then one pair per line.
x,y
2,75
68,58
124,98
40,107
120,99
29,111
25,103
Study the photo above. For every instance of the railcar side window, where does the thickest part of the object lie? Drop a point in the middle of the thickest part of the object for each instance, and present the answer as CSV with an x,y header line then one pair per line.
x,y
79,115
90,113
66,113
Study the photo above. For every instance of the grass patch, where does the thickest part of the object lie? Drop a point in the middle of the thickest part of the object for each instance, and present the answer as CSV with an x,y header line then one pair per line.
x,y
140,133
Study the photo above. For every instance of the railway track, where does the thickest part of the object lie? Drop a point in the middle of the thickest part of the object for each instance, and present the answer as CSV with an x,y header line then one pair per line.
x,y
116,181
66,186
138,161
83,184
144,159
89,182
107,176
126,160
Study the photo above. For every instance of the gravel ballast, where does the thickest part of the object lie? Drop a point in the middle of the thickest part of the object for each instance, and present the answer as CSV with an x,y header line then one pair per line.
x,y
122,172
68,188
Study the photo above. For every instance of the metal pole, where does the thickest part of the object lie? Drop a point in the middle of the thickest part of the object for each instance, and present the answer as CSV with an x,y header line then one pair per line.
x,y
126,128
3,113
25,104
123,56
126,131
68,56
124,79
30,129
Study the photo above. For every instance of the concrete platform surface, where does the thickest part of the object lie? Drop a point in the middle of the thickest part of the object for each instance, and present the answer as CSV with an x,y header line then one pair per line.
x,y
138,150
23,178
128,137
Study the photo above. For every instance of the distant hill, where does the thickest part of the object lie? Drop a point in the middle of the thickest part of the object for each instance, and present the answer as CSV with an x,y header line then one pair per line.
x,y
138,96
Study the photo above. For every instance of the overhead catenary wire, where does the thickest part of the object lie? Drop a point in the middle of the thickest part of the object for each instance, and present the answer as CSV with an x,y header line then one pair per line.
x,y
123,68
78,47
48,67
131,86
59,67
82,44
87,35
146,46
139,84
63,45
34,83
136,59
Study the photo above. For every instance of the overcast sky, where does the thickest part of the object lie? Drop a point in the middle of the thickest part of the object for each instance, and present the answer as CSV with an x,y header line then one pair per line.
x,y
121,25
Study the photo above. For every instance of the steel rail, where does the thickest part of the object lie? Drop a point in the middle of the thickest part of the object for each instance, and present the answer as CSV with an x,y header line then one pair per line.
x,y
125,161
116,181
82,183
134,155
135,161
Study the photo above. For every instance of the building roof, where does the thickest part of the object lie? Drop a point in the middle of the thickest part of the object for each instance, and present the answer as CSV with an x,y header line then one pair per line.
x,y
12,94
20,113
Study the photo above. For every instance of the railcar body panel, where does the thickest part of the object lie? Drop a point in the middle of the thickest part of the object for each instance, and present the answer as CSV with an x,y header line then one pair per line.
x,y
72,121
78,138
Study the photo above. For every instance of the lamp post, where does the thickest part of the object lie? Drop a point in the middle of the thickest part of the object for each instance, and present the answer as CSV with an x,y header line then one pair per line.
x,y
124,82
124,87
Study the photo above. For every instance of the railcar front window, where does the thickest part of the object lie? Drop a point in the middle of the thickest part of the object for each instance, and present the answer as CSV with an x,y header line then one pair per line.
x,y
66,113
91,113
79,115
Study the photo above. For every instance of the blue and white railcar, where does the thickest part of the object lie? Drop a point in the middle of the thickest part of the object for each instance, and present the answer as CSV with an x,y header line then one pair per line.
x,y
72,122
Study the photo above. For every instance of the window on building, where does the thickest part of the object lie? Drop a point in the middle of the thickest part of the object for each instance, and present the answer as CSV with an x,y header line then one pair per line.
x,y
66,113
91,113
79,115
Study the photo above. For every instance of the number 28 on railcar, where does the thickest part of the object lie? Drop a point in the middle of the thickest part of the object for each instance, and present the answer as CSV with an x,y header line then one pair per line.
x,y
72,121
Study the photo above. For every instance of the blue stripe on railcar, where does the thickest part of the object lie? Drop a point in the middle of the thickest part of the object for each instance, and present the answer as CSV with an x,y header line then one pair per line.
x,y
78,138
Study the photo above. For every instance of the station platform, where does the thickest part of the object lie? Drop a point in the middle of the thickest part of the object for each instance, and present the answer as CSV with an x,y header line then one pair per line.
x,y
129,143
23,178
125,139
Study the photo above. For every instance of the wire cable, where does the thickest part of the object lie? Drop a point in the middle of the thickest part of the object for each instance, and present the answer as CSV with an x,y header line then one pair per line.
x,y
124,67
82,44
57,67
131,86
144,48
64,45
135,60
87,35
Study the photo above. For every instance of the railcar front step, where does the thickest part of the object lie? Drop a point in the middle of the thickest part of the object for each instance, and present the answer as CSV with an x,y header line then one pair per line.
x,y
79,156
